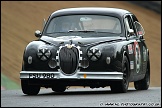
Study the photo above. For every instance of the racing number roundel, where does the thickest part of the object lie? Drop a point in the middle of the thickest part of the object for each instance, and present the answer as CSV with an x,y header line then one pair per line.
x,y
137,56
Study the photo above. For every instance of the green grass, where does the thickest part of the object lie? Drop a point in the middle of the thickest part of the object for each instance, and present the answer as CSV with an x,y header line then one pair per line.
x,y
8,83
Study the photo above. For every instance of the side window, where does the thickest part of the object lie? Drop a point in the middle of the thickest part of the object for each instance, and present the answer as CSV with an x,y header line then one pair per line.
x,y
134,18
126,23
129,25
130,22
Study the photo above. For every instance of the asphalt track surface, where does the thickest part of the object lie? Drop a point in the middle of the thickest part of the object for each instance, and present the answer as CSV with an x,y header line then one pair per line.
x,y
83,97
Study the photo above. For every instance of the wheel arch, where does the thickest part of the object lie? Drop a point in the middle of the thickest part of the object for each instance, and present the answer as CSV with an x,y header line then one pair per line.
x,y
148,61
125,54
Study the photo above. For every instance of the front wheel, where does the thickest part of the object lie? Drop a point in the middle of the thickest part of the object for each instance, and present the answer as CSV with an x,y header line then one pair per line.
x,y
29,89
144,83
122,86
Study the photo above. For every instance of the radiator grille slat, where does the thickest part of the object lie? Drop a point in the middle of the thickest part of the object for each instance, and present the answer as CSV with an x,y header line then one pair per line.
x,y
68,58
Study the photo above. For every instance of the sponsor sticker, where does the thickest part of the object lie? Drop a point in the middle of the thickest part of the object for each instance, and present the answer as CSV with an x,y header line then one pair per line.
x,y
131,64
130,49
137,56
144,53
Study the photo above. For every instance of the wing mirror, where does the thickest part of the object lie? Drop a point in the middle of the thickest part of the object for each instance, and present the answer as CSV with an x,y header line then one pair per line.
x,y
140,30
38,33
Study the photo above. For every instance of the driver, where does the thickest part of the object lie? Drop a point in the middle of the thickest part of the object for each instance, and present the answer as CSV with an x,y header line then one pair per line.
x,y
65,26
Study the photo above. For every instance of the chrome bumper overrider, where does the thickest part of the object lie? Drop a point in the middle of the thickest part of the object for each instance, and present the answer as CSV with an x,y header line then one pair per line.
x,y
77,75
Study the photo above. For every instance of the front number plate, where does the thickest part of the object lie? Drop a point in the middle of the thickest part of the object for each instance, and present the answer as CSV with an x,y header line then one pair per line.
x,y
41,75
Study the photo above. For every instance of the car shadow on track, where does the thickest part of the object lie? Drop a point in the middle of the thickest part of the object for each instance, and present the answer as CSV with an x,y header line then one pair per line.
x,y
82,92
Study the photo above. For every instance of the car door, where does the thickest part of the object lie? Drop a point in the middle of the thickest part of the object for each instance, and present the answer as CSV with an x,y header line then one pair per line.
x,y
134,47
143,49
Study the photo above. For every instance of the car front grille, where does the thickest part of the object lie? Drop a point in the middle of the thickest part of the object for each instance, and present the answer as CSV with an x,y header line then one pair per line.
x,y
68,59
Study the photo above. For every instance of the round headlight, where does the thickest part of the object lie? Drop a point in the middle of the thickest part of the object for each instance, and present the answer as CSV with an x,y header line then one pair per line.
x,y
94,54
44,53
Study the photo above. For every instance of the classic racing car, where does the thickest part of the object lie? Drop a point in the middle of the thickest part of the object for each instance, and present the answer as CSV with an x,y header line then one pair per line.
x,y
87,46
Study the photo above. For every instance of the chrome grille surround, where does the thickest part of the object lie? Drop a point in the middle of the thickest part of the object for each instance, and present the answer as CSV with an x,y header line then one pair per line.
x,y
78,62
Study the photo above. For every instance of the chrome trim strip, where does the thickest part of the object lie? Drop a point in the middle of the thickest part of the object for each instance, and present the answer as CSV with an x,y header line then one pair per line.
x,y
77,75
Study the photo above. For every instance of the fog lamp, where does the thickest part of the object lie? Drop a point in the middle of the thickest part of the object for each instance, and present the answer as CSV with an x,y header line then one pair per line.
x,y
52,63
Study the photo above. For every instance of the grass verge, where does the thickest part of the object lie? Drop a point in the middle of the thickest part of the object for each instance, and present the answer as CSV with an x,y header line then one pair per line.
x,y
8,84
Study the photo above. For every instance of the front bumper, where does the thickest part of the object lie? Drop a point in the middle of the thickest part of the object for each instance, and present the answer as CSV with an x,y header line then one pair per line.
x,y
77,75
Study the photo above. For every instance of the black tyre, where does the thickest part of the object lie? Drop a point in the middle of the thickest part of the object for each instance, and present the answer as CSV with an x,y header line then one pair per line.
x,y
145,82
29,89
122,86
59,88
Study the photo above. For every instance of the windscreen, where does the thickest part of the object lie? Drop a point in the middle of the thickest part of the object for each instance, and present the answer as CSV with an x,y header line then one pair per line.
x,y
97,23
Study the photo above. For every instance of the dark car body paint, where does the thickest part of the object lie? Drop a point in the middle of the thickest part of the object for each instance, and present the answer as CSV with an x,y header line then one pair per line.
x,y
115,47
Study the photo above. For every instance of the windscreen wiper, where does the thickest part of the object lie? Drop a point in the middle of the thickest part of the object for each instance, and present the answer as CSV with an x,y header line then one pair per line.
x,y
81,31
